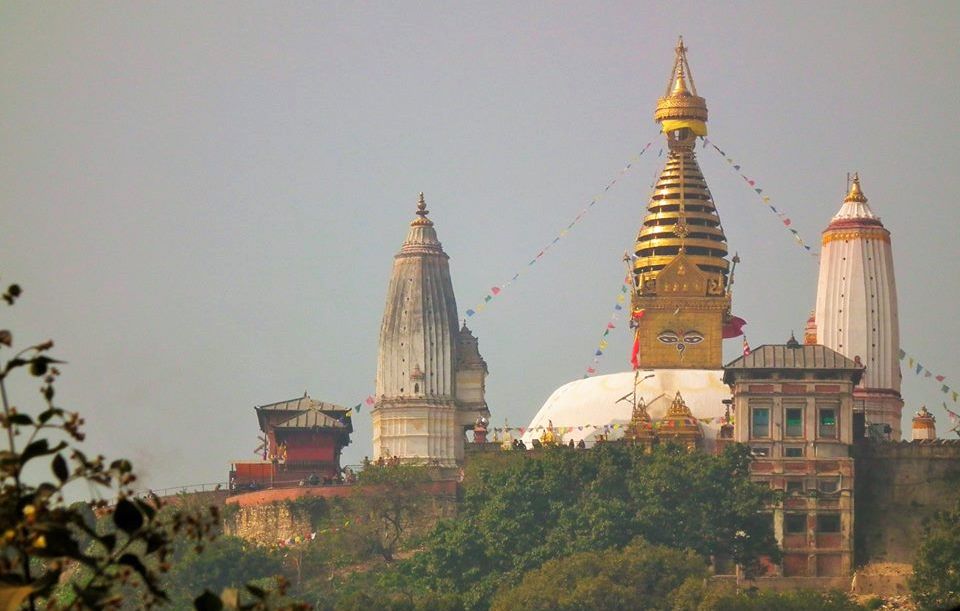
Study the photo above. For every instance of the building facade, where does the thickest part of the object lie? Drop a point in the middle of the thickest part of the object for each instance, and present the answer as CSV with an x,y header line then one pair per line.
x,y
793,405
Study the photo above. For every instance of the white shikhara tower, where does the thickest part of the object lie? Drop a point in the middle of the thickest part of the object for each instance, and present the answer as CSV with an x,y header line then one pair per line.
x,y
856,311
430,375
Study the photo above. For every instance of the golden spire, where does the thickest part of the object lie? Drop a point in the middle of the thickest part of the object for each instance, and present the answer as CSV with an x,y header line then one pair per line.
x,y
422,213
681,109
681,215
680,299
855,194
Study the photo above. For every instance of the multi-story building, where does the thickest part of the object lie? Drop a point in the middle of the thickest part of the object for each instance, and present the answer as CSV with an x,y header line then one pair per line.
x,y
793,405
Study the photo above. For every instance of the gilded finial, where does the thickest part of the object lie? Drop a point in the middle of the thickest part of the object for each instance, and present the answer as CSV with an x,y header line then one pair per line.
x,y
681,111
422,212
855,194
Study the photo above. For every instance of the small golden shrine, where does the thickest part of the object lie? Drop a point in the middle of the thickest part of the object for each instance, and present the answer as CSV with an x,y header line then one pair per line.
x,y
680,426
640,431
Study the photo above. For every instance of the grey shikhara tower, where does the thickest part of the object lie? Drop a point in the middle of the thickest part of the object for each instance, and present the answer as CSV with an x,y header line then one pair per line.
x,y
430,375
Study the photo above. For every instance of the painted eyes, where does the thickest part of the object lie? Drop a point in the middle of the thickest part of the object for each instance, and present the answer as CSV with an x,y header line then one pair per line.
x,y
682,339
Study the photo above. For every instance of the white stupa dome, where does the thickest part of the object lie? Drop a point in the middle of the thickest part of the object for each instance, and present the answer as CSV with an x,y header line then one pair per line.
x,y
603,404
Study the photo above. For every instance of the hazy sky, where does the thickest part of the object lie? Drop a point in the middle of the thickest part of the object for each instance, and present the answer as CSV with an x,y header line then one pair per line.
x,y
202,199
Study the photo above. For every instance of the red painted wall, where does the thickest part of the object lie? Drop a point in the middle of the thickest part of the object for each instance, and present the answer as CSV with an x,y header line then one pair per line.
x,y
306,446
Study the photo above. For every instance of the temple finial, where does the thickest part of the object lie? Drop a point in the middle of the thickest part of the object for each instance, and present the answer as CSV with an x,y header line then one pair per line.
x,y
422,212
855,194
681,107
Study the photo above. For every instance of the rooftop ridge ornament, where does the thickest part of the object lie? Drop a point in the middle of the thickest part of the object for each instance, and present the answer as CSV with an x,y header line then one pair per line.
x,y
422,213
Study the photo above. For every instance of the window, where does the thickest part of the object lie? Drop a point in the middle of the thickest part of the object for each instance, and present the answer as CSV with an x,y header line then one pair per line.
x,y
829,485
760,422
794,422
828,423
828,523
794,486
761,451
794,523
793,452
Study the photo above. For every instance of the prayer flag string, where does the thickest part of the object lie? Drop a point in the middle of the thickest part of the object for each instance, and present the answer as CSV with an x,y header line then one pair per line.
x,y
919,370
787,222
618,307
498,289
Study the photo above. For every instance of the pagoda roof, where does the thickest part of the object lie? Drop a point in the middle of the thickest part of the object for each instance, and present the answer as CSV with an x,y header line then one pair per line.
x,y
303,412
311,418
302,404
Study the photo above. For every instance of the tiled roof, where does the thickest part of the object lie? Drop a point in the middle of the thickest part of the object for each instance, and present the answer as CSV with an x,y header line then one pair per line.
x,y
781,356
309,419
302,404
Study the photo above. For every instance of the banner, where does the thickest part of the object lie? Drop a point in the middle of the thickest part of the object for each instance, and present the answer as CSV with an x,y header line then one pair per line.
x,y
621,298
764,198
498,289
918,369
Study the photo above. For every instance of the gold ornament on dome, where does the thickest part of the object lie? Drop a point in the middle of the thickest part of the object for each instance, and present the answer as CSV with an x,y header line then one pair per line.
x,y
855,194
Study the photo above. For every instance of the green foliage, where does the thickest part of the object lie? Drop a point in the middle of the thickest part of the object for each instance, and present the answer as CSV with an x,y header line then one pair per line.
x,y
639,576
792,600
42,536
519,514
935,583
389,502
226,562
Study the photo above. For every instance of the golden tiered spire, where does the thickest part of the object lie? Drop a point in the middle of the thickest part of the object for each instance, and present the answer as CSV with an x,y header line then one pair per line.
x,y
680,271
855,194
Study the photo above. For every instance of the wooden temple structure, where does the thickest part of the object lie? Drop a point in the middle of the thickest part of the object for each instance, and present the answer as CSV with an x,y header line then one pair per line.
x,y
301,445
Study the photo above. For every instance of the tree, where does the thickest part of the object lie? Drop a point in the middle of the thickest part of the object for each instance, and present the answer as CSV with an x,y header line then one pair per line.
x,y
638,576
793,600
389,501
42,536
935,583
227,562
528,509
107,554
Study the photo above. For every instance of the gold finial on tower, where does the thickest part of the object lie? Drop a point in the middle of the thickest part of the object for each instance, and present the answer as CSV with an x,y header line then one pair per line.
x,y
422,213
855,194
681,112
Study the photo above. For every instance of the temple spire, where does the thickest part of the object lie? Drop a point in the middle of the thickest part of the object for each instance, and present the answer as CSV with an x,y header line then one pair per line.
x,y
681,267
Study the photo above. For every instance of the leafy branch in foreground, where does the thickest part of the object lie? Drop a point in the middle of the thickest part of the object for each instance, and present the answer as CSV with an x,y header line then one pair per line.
x,y
43,537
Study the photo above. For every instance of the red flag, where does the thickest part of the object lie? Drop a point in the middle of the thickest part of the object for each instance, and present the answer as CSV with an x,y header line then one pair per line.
x,y
733,327
635,353
746,347
495,290
370,400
